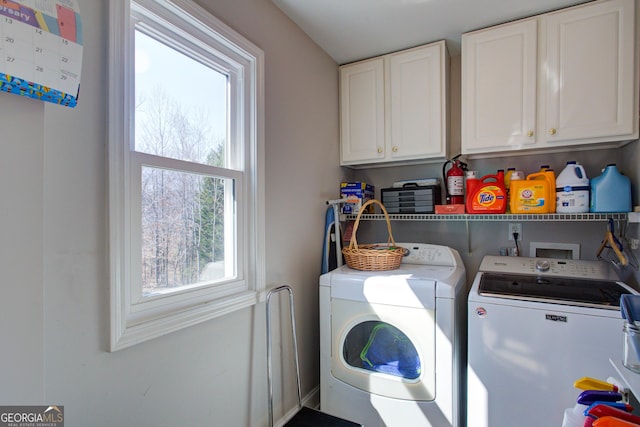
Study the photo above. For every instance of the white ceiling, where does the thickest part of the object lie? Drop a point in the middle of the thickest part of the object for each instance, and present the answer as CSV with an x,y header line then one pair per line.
x,y
350,30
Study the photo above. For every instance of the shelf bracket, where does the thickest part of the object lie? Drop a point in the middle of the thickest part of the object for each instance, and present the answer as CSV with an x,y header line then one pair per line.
x,y
466,223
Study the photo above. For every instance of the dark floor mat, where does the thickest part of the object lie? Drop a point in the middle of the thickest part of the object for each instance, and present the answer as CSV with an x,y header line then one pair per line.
x,y
308,417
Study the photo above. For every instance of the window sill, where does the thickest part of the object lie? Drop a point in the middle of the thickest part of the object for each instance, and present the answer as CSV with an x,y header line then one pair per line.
x,y
124,334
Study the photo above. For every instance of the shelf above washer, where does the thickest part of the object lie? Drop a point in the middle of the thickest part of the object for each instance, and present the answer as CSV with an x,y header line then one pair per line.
x,y
495,217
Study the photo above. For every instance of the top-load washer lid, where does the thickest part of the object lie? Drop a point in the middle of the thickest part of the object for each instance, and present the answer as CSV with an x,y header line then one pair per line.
x,y
560,290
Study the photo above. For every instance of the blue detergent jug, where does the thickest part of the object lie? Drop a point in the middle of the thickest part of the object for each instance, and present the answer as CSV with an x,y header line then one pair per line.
x,y
610,192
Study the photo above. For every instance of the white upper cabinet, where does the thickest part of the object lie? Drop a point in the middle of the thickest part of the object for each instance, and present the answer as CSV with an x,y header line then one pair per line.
x,y
394,107
418,103
362,112
590,79
499,87
560,79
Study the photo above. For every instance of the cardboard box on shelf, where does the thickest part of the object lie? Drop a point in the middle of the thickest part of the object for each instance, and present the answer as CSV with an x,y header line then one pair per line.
x,y
449,209
356,190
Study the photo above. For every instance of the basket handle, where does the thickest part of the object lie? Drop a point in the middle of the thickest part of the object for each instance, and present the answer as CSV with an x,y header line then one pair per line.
x,y
353,243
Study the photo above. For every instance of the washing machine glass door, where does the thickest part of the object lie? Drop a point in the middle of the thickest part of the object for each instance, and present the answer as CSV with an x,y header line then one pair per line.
x,y
384,349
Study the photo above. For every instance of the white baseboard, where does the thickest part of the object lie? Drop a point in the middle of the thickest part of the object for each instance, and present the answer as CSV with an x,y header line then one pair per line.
x,y
311,400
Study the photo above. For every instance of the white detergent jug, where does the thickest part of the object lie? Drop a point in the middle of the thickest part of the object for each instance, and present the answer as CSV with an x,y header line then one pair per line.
x,y
572,189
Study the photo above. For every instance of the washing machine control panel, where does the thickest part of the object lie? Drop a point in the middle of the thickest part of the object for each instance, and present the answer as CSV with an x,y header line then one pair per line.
x,y
427,254
548,267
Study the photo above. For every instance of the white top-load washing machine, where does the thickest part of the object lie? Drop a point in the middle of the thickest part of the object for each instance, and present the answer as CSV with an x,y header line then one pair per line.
x,y
392,347
536,325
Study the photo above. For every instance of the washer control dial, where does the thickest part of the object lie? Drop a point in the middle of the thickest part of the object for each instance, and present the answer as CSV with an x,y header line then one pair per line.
x,y
543,265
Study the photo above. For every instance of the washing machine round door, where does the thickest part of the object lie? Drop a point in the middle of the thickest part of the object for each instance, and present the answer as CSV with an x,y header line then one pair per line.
x,y
384,349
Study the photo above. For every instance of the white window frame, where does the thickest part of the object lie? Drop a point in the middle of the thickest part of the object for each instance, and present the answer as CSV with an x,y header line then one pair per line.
x,y
133,319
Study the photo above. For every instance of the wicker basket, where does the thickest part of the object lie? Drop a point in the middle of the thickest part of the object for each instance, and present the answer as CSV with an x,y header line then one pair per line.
x,y
375,257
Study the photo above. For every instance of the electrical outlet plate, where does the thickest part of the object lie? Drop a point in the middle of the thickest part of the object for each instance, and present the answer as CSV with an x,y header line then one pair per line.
x,y
515,227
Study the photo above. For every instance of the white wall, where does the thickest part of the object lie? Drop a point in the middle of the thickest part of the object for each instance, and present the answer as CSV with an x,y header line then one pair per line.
x,y
630,162
54,301
21,250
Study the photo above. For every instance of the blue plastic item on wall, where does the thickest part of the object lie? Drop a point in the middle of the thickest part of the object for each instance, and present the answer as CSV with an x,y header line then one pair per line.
x,y
610,192
587,397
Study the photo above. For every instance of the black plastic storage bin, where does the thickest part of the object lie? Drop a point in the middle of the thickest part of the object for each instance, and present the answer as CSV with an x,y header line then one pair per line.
x,y
411,200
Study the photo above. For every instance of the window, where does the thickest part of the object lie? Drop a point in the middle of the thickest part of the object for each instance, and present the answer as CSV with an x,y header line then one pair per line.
x,y
185,169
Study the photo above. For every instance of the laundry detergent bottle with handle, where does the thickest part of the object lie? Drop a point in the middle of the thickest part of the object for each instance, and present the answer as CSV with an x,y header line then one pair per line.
x,y
470,182
572,189
507,185
531,195
611,191
488,196
551,179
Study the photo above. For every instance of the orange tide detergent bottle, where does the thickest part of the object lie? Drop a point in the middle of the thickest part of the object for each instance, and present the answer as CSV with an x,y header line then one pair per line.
x,y
487,195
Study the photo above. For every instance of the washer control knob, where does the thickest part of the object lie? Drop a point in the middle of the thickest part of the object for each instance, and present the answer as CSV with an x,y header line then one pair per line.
x,y
543,265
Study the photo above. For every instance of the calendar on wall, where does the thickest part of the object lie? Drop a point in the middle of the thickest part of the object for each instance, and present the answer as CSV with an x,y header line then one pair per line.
x,y
41,49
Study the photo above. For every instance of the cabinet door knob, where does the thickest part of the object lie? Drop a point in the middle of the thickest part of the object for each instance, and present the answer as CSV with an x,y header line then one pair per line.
x,y
530,133
379,150
394,149
552,131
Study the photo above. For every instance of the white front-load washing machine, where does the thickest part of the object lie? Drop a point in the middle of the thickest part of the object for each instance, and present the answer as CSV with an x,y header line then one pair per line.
x,y
392,343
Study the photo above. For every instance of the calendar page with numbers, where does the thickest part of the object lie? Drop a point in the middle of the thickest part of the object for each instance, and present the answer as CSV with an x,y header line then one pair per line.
x,y
41,49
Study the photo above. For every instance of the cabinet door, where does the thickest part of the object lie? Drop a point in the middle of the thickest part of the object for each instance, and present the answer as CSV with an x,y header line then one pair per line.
x,y
362,112
590,79
499,69
417,94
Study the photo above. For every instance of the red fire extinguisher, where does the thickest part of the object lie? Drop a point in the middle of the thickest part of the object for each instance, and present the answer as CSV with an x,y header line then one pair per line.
x,y
454,180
